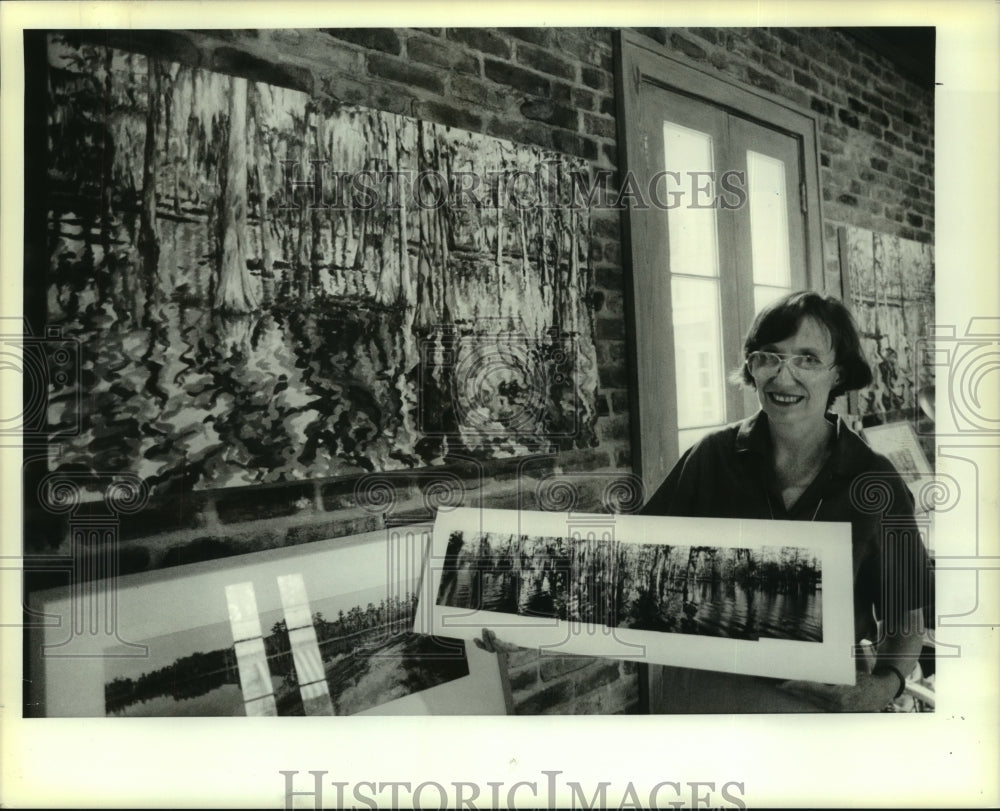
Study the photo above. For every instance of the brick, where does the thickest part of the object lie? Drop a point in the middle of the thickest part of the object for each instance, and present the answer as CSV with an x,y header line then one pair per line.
x,y
595,78
809,82
608,279
258,69
170,45
607,106
600,126
518,78
777,67
518,657
884,150
405,72
591,46
613,377
848,118
342,89
847,199
796,59
536,36
478,92
378,39
857,106
448,115
481,39
879,164
762,38
523,678
394,100
549,700
872,129
895,112
687,47
761,80
835,131
623,457
794,93
520,132
620,402
543,110
615,428
655,34
915,220
545,62
430,52
824,74
872,66
710,35
602,405
597,676
613,252
574,144
553,667
787,36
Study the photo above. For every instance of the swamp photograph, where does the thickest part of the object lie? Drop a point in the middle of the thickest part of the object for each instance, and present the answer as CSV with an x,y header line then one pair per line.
x,y
764,592
367,656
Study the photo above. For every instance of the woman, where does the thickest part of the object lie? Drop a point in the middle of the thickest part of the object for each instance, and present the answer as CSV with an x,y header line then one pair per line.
x,y
795,461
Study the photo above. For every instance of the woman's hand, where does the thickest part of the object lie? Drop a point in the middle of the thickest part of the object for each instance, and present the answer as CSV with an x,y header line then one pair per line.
x,y
870,693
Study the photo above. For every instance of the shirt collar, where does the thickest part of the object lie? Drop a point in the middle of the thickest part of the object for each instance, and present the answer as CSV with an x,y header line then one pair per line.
x,y
754,437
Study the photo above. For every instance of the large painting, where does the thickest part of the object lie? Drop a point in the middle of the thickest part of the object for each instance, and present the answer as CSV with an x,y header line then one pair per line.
x,y
889,286
267,286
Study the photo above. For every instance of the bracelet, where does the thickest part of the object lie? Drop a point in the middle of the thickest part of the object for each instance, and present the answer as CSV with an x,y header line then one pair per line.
x,y
884,668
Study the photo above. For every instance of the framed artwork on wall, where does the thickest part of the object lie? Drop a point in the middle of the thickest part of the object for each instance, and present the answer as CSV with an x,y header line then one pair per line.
x,y
261,285
888,283
898,442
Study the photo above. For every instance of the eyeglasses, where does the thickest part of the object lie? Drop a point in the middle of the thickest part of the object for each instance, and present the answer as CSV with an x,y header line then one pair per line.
x,y
769,363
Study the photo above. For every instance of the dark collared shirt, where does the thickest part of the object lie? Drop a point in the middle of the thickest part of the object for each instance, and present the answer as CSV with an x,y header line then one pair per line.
x,y
730,474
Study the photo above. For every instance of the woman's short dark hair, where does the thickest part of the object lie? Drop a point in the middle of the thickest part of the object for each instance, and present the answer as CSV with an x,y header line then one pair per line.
x,y
781,319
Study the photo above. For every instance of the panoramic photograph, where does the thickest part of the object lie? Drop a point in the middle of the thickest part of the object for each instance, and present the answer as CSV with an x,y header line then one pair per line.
x,y
732,592
368,654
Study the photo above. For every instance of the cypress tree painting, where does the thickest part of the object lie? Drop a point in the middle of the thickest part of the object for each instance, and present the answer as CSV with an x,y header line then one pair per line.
x,y
267,286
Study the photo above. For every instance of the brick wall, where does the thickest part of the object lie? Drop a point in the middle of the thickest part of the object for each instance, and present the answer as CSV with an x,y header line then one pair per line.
x,y
553,88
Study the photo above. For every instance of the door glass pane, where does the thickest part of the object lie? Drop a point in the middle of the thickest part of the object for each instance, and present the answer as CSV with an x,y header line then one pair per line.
x,y
691,218
698,352
763,295
768,220
685,439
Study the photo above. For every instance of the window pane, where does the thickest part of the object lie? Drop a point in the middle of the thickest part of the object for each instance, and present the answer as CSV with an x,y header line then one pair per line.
x,y
698,352
692,232
765,295
768,220
685,439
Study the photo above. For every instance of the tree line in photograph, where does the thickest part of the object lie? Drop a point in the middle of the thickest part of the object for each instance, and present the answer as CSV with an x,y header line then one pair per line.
x,y
358,641
710,590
